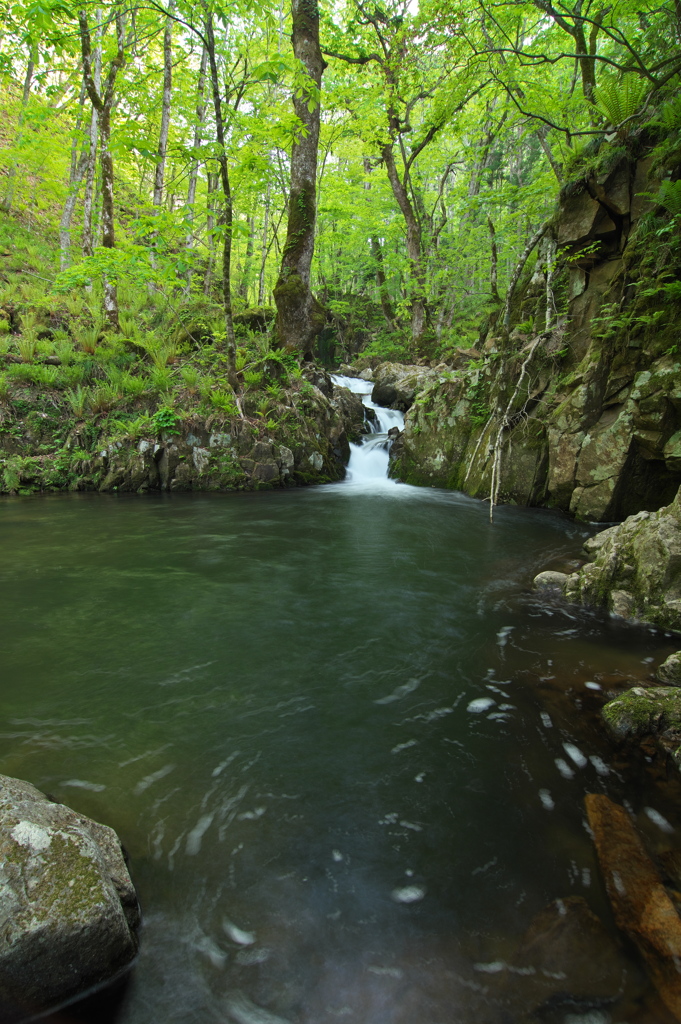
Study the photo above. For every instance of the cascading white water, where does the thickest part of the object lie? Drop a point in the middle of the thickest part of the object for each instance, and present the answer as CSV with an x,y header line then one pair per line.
x,y
368,465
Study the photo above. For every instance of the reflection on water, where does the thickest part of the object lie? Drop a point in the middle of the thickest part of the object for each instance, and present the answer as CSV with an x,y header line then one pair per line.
x,y
344,745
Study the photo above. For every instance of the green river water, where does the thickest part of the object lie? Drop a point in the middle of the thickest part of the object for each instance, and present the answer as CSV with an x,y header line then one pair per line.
x,y
282,702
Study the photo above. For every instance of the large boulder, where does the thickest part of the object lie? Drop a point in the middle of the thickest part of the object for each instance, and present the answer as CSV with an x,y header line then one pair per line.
x,y
68,909
396,385
635,569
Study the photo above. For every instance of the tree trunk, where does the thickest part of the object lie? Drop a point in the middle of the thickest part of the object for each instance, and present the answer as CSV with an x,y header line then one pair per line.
x,y
300,318
386,305
103,105
414,247
211,186
493,285
515,277
198,136
73,168
194,165
6,204
90,174
165,110
264,249
228,211
108,231
377,254
69,207
248,262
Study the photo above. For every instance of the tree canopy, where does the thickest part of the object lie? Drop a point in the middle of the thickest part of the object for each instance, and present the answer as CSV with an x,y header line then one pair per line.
x,y
156,139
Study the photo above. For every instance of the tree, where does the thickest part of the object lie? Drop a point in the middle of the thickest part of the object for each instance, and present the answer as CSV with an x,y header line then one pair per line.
x,y
103,104
300,318
419,93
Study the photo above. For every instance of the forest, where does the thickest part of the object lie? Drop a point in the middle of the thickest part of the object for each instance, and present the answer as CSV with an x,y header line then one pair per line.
x,y
152,157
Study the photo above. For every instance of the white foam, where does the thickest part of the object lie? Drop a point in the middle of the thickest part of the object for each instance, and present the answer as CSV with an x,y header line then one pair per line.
x,y
546,799
94,787
243,1011
575,755
236,934
196,835
658,819
408,894
600,765
564,768
476,707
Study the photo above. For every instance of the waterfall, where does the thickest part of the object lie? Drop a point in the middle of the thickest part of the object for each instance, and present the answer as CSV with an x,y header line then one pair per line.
x,y
368,465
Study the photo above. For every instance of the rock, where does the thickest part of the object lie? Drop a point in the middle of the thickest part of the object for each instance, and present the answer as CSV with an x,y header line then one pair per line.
x,y
257,319
653,711
669,672
367,374
635,569
622,604
397,384
567,957
68,908
550,582
384,394
594,544
670,861
641,906
589,426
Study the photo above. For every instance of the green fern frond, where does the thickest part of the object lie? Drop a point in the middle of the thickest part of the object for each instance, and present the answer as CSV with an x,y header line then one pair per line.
x,y
619,100
670,114
669,196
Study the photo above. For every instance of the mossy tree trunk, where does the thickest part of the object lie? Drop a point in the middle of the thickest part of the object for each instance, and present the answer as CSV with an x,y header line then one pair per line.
x,y
300,318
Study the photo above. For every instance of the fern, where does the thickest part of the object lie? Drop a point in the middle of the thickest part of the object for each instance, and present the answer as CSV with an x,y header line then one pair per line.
x,y
619,100
669,196
670,114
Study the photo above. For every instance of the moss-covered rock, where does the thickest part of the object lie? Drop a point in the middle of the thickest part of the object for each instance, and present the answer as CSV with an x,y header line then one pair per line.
x,y
642,711
68,909
305,439
635,569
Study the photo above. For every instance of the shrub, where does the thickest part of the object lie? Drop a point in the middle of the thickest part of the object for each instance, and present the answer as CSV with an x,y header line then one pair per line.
x,y
166,420
223,401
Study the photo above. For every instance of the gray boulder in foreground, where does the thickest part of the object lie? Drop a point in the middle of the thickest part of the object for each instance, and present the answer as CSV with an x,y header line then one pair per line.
x,y
68,909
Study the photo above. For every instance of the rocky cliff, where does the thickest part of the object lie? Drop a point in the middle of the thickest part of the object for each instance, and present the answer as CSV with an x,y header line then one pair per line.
x,y
584,414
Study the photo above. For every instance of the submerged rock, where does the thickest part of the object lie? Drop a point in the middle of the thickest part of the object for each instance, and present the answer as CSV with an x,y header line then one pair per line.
x,y
641,905
568,958
68,909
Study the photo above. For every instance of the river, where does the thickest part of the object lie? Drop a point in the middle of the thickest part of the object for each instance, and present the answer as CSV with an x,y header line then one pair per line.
x,y
343,742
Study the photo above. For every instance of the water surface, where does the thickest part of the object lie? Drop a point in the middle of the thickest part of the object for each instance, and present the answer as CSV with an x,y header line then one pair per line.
x,y
332,728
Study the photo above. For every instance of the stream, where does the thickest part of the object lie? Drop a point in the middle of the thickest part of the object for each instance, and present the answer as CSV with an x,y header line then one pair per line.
x,y
344,743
